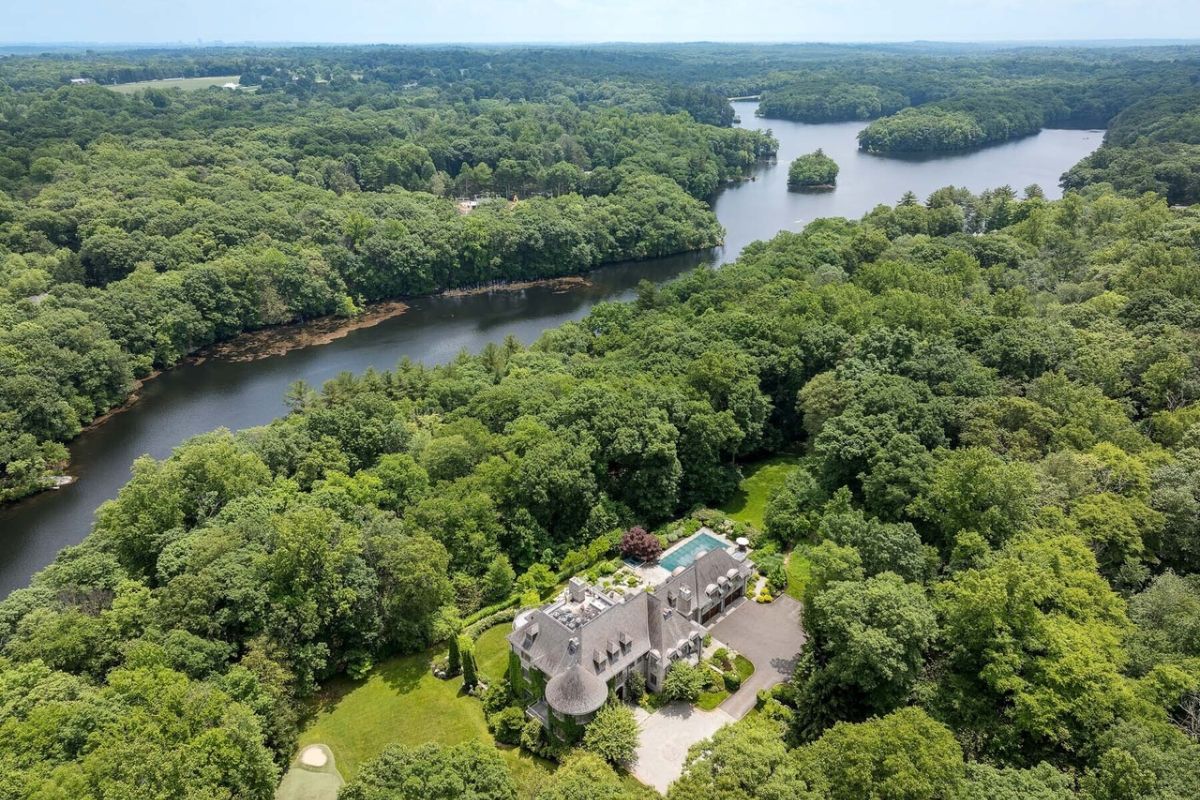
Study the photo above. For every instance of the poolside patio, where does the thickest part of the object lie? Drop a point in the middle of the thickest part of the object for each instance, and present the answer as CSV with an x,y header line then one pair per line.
x,y
653,573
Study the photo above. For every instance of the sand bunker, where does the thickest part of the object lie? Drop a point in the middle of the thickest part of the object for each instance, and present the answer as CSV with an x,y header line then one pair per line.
x,y
313,756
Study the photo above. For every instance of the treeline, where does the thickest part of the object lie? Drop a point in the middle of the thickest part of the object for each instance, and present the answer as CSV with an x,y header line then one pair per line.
x,y
138,229
824,102
1152,146
923,104
998,502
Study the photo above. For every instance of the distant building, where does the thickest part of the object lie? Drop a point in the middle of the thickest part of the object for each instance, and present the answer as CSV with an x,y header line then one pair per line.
x,y
80,81
229,85
570,655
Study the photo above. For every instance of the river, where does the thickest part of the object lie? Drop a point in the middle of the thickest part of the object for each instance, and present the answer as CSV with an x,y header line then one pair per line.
x,y
216,393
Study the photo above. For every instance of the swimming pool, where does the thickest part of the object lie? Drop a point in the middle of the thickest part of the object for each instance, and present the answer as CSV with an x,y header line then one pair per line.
x,y
689,551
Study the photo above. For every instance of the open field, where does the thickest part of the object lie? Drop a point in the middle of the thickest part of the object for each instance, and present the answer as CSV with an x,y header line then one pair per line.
x,y
749,503
187,84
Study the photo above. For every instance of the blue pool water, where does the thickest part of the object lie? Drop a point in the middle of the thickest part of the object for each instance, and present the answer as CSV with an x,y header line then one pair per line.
x,y
689,551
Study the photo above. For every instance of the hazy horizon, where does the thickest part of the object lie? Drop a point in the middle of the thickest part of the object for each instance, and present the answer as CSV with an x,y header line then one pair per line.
x,y
216,22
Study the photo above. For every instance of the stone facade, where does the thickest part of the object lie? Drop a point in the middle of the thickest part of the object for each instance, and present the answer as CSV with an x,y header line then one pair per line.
x,y
569,656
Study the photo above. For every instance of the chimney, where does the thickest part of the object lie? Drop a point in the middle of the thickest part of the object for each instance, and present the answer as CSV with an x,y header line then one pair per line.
x,y
685,601
576,587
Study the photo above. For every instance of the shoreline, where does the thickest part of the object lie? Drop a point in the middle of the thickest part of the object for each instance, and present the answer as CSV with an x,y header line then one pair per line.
x,y
279,340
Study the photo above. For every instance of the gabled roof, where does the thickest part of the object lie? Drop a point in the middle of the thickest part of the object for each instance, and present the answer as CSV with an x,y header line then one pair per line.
x,y
606,644
707,577
580,658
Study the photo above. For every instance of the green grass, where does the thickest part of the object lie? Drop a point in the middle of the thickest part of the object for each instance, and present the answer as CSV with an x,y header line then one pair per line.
x,y
749,503
302,782
799,571
710,700
491,651
402,702
187,84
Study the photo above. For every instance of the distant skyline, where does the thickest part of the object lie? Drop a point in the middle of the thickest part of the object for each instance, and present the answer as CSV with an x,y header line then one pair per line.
x,y
566,21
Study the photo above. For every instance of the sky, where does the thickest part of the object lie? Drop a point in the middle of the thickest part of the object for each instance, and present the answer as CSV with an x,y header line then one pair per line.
x,y
426,21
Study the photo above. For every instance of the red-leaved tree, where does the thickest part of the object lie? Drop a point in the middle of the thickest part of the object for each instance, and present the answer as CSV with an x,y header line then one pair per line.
x,y
640,543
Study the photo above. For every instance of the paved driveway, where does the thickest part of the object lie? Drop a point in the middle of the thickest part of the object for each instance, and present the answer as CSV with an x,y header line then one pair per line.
x,y
665,738
770,636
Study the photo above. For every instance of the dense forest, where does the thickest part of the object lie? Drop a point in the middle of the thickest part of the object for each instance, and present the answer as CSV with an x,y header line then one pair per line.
x,y
937,104
136,229
1152,146
996,399
993,400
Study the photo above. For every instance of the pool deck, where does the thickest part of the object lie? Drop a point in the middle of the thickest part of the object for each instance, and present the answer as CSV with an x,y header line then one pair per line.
x,y
653,574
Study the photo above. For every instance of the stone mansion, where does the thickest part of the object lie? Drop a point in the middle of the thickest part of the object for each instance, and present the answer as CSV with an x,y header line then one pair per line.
x,y
569,656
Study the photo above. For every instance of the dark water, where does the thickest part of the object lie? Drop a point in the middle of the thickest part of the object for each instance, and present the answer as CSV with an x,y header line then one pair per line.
x,y
213,394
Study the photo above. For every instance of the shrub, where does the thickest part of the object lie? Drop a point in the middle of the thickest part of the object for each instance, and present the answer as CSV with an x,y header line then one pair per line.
x,y
721,657
477,628
777,579
454,658
638,543
733,681
497,697
635,686
467,654
508,725
764,596
683,682
533,738
612,734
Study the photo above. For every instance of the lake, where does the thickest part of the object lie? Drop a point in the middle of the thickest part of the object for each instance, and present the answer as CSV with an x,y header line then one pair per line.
x,y
198,398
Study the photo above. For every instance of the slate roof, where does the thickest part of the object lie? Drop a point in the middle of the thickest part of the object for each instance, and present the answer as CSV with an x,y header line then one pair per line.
x,y
576,692
711,571
580,661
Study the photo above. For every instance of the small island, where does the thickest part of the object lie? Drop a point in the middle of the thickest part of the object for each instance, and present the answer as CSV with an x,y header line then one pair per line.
x,y
813,171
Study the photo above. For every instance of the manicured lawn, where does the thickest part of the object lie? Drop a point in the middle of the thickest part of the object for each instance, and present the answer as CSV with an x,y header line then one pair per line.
x,y
491,651
402,702
303,782
710,700
799,571
750,501
187,84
